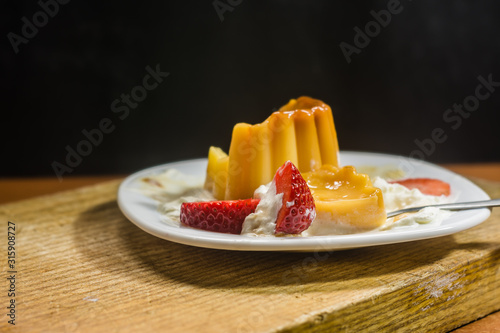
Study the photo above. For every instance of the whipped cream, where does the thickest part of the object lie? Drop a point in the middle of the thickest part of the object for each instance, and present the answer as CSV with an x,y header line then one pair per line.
x,y
171,210
262,222
171,188
170,185
428,215
397,197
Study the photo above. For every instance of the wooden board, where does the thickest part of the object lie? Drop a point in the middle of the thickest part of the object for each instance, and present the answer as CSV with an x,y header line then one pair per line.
x,y
82,266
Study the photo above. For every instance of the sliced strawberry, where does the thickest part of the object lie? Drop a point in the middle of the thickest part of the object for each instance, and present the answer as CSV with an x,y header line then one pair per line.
x,y
221,216
426,185
298,209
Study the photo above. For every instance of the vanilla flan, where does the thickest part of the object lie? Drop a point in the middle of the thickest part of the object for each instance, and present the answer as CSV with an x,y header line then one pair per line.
x,y
301,131
346,201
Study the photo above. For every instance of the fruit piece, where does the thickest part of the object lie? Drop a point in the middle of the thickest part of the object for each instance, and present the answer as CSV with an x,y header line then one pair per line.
x,y
345,201
220,216
427,186
215,181
302,131
297,210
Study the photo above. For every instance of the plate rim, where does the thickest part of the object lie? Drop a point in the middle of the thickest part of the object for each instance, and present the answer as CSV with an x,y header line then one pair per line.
x,y
208,239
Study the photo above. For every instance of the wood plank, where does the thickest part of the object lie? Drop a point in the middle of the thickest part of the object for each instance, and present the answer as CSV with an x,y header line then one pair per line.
x,y
83,267
489,324
14,189
490,171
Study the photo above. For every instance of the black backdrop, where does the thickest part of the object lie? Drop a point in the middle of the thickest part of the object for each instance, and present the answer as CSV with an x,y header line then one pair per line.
x,y
230,61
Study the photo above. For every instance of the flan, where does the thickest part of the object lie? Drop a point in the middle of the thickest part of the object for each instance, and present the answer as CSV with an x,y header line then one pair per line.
x,y
346,201
302,131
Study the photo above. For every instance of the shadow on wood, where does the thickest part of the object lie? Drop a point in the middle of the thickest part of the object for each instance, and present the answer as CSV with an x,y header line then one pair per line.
x,y
253,272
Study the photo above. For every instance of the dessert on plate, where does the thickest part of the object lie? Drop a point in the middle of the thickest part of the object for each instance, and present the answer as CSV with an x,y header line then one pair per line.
x,y
282,177
302,132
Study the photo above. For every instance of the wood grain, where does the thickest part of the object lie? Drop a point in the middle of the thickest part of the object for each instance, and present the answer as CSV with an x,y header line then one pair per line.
x,y
83,267
14,189
489,171
490,324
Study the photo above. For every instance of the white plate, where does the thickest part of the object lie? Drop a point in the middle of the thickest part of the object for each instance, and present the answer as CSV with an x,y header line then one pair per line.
x,y
142,211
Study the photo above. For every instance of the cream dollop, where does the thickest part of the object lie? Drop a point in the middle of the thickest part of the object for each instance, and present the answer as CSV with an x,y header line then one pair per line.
x,y
171,188
397,197
170,210
262,222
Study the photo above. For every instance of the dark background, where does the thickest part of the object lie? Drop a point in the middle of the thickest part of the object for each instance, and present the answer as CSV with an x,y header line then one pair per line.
x,y
65,78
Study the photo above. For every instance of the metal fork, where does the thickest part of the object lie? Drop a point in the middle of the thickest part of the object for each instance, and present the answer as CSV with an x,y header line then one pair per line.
x,y
451,206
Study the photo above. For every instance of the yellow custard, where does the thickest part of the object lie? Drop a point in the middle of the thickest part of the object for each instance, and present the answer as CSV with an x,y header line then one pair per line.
x,y
302,131
347,198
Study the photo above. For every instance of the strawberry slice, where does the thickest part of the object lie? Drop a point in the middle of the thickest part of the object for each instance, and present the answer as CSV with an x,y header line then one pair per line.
x,y
298,209
426,185
225,216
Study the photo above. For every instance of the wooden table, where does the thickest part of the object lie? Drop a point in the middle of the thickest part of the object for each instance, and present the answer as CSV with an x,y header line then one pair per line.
x,y
81,266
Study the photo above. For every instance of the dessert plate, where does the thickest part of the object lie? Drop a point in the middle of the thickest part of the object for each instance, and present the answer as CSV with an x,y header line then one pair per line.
x,y
142,211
